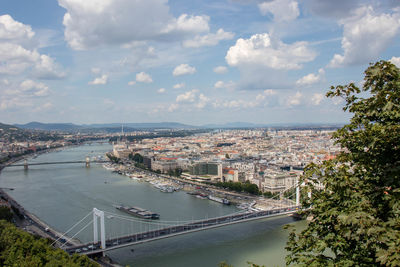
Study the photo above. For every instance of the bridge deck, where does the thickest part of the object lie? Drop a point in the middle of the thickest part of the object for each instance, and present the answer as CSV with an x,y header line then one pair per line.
x,y
56,162
124,241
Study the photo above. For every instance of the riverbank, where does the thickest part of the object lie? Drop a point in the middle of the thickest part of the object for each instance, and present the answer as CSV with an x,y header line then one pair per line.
x,y
30,223
197,189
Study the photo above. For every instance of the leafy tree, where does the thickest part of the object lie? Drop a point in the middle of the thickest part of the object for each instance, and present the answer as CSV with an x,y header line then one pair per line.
x,y
113,158
240,187
356,216
5,213
137,157
18,248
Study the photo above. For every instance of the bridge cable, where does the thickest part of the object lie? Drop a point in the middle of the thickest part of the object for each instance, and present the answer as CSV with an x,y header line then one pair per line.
x,y
78,232
72,228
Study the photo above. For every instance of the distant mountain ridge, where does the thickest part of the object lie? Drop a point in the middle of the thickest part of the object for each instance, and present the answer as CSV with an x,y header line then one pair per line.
x,y
49,126
116,127
105,126
6,126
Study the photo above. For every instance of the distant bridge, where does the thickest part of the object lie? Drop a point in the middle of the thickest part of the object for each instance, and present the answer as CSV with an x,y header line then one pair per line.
x,y
26,164
97,248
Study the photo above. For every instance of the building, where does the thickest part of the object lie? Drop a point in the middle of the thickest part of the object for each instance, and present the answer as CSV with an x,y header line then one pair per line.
x,y
278,182
164,164
206,168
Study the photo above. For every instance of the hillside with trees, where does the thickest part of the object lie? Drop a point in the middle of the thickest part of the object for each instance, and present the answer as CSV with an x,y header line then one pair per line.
x,y
19,248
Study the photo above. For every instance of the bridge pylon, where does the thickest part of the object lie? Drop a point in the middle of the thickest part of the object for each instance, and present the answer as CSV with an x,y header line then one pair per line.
x,y
87,162
297,192
25,165
99,214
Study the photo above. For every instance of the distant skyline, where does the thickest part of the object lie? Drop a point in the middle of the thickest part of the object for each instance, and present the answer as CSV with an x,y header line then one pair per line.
x,y
192,62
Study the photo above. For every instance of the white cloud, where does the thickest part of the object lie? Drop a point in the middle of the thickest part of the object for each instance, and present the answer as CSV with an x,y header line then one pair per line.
x,y
192,98
220,69
269,92
93,23
27,96
311,78
143,77
282,10
161,90
189,96
18,52
295,100
14,31
32,88
262,50
183,69
46,68
266,97
209,39
131,83
173,107
188,24
260,97
226,85
103,79
179,85
14,103
317,98
203,101
365,35
16,59
43,107
395,61
237,104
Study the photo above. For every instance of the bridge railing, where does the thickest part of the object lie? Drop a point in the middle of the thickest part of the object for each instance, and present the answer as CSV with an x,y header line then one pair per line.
x,y
175,229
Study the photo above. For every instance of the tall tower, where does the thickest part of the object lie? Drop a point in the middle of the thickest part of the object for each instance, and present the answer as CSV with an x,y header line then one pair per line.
x,y
98,214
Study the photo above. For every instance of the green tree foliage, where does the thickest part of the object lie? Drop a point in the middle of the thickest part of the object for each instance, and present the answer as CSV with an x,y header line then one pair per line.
x,y
240,187
5,213
137,157
18,248
271,195
113,158
175,172
356,217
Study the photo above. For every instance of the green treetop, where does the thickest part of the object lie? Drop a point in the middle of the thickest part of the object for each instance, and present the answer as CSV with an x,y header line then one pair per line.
x,y
356,216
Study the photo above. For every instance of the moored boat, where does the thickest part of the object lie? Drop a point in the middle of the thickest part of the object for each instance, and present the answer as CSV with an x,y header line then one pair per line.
x,y
139,212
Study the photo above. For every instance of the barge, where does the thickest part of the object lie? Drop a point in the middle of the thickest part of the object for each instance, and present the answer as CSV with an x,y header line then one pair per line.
x,y
139,212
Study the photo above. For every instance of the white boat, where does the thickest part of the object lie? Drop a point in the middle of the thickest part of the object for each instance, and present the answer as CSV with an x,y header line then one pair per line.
x,y
108,167
219,200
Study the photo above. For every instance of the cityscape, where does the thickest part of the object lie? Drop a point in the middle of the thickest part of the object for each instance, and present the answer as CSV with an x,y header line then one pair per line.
x,y
229,166
221,133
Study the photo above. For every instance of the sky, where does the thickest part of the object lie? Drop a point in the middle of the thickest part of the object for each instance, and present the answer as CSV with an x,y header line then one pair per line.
x,y
194,62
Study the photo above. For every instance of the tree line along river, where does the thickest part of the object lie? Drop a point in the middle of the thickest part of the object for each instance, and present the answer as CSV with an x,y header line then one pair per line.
x,y
61,195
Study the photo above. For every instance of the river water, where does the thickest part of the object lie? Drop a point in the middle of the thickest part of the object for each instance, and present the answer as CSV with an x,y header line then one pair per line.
x,y
61,195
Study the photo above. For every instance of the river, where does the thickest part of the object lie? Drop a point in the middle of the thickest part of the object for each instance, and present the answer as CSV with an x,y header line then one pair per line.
x,y
61,195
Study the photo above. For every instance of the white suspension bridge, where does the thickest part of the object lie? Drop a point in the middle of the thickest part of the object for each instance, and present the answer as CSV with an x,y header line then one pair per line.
x,y
126,231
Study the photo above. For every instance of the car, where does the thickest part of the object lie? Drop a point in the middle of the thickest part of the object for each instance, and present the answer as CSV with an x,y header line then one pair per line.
x,y
78,250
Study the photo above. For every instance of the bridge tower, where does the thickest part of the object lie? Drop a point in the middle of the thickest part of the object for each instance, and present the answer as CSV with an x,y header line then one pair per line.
x,y
297,192
99,214
25,165
87,162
